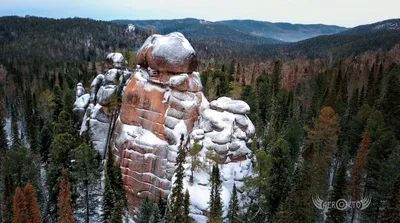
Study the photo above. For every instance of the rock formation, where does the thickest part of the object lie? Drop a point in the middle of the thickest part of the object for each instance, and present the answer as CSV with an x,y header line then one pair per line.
x,y
162,99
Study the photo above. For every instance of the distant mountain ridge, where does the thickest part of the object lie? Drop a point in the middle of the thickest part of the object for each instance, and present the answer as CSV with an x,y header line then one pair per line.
x,y
243,30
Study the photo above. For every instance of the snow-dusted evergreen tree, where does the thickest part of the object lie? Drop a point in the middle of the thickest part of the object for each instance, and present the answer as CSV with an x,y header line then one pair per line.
x,y
115,202
146,211
215,214
87,172
177,196
233,211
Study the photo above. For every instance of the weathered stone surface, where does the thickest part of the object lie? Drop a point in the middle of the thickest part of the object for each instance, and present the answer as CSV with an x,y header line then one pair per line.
x,y
169,53
162,100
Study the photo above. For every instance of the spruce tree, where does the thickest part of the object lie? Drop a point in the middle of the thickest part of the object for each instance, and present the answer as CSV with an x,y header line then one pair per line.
x,y
177,196
65,214
186,208
146,211
31,204
233,211
215,196
87,172
114,194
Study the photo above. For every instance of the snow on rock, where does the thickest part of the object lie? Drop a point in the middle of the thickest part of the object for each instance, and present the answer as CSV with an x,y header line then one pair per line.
x,y
80,105
234,106
116,59
130,28
80,90
171,53
162,100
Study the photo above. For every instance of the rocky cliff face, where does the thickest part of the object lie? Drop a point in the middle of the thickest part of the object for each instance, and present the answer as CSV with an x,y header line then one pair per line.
x,y
161,101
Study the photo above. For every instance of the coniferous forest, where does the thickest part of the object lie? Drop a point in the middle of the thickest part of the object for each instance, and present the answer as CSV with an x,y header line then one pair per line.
x,y
326,112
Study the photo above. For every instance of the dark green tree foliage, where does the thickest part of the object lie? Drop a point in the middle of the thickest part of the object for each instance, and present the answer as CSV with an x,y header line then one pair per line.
x,y
146,211
30,120
20,165
264,93
355,130
339,192
392,207
279,174
61,151
215,215
87,172
293,135
115,202
45,139
383,144
390,106
7,202
216,81
298,208
162,207
57,101
259,184
64,124
250,96
177,195
233,211
186,208
3,139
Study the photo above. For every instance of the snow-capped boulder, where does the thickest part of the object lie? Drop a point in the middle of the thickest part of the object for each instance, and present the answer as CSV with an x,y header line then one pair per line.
x,y
170,53
115,59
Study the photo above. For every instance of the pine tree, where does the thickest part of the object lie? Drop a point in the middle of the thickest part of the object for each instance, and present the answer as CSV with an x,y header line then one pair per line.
x,y
177,196
114,194
233,211
392,207
19,211
215,196
32,205
87,172
146,211
65,214
186,208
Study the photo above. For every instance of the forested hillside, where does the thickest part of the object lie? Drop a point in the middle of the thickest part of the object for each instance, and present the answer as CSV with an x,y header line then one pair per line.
x,y
326,112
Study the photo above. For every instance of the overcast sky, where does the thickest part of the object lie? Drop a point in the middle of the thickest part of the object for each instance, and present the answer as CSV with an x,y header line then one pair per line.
x,y
347,13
